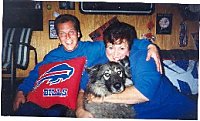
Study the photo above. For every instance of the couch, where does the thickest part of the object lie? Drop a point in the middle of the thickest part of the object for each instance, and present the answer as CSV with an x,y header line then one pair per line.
x,y
181,67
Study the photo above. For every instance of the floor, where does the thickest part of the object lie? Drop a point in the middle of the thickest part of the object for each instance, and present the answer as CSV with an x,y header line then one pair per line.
x,y
7,96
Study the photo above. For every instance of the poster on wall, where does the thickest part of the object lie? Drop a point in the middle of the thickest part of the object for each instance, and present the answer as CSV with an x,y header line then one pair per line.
x,y
97,35
163,23
52,31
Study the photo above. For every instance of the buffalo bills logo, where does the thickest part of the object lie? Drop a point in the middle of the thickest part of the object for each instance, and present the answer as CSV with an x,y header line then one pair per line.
x,y
57,74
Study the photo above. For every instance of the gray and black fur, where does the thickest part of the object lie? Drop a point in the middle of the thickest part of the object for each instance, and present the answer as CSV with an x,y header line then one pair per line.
x,y
107,79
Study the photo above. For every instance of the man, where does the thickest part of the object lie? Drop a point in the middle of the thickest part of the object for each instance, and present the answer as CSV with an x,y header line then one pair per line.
x,y
68,31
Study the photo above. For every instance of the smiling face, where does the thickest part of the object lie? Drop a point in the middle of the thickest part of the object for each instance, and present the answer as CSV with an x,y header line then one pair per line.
x,y
118,39
117,51
68,35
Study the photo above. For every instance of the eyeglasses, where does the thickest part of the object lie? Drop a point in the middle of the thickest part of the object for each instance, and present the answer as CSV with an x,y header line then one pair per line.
x,y
69,33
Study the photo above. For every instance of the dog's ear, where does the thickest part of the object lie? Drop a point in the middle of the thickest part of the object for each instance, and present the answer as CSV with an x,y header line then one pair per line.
x,y
126,65
92,69
125,62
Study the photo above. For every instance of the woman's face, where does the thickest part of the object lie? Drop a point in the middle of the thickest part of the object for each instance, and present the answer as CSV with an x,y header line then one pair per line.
x,y
116,52
68,35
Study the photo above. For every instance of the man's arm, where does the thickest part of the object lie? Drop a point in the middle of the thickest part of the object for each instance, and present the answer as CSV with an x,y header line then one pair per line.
x,y
80,111
144,44
28,83
153,52
137,45
25,87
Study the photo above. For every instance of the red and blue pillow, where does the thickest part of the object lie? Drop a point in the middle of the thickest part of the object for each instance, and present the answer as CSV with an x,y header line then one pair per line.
x,y
58,83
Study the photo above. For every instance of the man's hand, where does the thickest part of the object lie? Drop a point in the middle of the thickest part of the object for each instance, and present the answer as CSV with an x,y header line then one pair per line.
x,y
81,113
91,98
19,99
153,52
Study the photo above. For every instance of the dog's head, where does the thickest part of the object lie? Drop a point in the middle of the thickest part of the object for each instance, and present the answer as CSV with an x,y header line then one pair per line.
x,y
110,77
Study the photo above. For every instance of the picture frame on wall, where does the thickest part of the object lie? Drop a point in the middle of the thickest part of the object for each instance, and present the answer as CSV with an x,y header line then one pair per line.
x,y
163,23
66,5
52,30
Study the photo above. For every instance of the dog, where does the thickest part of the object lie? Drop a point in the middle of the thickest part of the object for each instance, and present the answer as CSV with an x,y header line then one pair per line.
x,y
107,79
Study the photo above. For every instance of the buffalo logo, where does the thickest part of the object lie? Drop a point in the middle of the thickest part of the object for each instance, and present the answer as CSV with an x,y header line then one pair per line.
x,y
57,74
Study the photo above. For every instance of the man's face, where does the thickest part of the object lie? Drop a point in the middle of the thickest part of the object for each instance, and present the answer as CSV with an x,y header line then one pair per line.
x,y
68,35
116,52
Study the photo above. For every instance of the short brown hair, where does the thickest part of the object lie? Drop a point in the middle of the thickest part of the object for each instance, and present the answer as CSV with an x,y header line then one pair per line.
x,y
65,18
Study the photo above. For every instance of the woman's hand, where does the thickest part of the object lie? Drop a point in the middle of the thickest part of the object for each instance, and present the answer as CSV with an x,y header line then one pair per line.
x,y
153,52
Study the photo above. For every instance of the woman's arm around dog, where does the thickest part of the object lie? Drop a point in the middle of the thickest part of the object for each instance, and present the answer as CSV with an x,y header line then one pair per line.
x,y
146,80
130,96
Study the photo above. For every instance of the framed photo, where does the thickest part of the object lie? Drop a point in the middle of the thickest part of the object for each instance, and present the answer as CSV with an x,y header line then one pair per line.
x,y
66,5
52,31
163,23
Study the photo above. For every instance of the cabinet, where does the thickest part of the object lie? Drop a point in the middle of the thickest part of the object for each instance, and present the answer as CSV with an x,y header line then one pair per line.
x,y
116,8
19,14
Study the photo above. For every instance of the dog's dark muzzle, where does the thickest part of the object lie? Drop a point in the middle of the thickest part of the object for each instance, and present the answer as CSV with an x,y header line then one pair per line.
x,y
117,87
115,84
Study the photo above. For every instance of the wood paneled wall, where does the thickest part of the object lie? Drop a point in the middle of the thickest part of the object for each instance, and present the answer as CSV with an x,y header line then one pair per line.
x,y
89,23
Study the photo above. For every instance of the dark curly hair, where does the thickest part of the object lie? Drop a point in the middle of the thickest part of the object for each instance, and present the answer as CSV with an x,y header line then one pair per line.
x,y
118,31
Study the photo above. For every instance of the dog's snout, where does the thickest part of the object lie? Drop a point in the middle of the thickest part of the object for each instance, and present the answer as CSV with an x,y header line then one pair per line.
x,y
117,85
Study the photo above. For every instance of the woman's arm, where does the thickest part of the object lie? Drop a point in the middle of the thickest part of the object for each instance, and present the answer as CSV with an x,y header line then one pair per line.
x,y
130,96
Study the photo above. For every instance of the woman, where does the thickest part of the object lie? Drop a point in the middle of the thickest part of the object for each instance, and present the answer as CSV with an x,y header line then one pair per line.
x,y
153,95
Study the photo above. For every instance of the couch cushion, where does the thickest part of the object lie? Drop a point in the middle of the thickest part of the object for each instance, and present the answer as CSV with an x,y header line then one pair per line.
x,y
183,74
